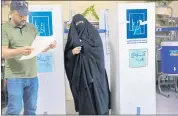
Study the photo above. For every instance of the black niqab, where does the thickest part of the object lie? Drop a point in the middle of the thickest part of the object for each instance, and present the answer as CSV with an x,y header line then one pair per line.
x,y
86,71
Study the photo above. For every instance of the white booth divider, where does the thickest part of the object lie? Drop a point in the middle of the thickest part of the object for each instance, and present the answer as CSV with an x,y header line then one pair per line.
x,y
51,95
132,37
103,24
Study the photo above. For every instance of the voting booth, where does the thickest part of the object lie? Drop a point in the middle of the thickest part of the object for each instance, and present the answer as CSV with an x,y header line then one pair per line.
x,y
132,37
51,95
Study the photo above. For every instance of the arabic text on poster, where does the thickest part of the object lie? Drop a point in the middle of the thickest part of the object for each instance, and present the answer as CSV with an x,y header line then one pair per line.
x,y
45,62
137,58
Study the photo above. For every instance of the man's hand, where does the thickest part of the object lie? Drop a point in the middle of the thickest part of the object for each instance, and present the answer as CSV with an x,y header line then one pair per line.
x,y
53,45
11,53
25,50
76,50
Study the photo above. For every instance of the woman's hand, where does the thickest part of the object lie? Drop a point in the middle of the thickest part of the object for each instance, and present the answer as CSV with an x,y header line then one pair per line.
x,y
76,50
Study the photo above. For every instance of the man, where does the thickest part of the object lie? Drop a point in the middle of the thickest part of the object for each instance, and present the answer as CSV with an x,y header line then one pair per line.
x,y
22,81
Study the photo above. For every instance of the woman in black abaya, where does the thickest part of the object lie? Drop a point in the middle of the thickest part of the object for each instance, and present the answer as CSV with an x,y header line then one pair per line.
x,y
85,68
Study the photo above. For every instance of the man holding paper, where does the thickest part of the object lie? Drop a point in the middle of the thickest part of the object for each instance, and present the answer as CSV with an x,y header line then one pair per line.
x,y
22,81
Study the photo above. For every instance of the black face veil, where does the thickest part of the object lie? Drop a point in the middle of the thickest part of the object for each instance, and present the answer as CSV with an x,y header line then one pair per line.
x,y
86,71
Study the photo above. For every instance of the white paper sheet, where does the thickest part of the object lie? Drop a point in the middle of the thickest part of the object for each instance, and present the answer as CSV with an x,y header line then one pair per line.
x,y
39,44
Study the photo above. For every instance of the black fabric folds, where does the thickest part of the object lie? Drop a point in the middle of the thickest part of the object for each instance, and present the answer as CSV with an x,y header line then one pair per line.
x,y
86,71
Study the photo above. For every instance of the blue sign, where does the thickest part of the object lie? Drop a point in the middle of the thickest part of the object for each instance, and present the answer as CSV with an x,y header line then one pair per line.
x,y
137,58
136,23
43,22
45,62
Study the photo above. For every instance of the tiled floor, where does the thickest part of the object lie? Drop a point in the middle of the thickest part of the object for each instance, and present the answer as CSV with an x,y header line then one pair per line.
x,y
167,105
164,105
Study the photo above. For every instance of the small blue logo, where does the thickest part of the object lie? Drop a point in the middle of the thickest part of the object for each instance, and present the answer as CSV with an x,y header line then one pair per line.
x,y
173,52
136,23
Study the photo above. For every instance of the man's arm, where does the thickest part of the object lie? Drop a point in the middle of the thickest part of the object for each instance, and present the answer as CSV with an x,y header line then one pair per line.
x,y
6,52
10,53
51,46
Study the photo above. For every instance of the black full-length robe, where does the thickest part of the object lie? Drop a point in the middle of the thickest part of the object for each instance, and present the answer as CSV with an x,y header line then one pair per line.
x,y
86,71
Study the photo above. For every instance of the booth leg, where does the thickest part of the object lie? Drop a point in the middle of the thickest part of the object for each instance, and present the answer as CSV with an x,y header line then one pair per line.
x,y
172,85
176,84
159,87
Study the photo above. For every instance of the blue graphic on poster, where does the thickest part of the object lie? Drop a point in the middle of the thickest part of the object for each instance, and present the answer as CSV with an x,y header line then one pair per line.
x,y
137,58
45,62
136,23
42,21
173,52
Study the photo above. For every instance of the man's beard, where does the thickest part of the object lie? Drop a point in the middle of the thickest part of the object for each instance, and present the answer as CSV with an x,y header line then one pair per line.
x,y
22,23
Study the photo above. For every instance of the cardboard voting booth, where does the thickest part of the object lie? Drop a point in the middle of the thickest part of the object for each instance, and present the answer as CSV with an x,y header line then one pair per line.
x,y
51,95
132,37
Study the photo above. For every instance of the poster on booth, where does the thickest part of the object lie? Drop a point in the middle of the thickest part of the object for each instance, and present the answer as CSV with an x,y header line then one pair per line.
x,y
137,34
45,62
138,58
43,23
136,26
